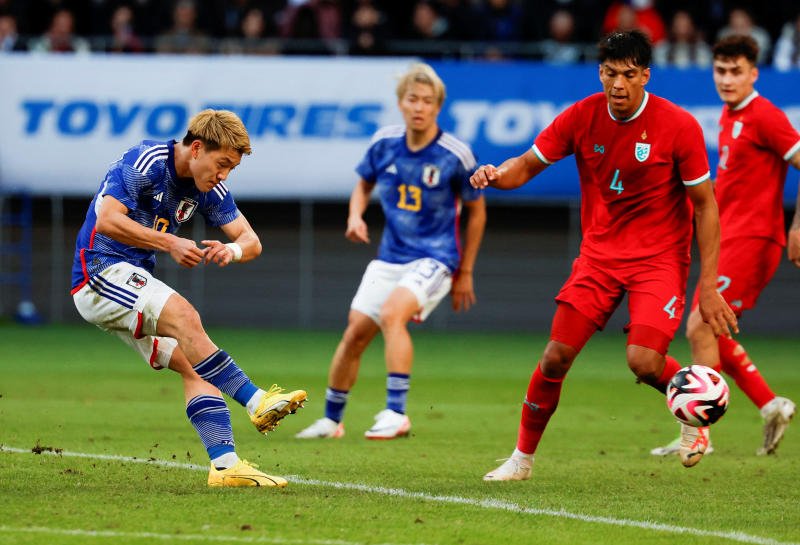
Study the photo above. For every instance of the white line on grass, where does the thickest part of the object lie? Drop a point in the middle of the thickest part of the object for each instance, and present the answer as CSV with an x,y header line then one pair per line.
x,y
488,503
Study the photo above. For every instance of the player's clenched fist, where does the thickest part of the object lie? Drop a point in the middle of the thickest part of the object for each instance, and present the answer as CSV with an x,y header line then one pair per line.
x,y
484,176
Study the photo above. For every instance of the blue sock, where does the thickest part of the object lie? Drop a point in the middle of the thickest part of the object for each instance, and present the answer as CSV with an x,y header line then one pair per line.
x,y
220,370
211,418
335,400
397,385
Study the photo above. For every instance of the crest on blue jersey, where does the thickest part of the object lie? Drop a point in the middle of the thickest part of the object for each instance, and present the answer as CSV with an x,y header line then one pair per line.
x,y
642,151
185,209
430,175
737,129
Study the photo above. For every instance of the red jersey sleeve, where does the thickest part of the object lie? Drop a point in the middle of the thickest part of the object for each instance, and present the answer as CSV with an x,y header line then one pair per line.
x,y
776,132
690,151
557,140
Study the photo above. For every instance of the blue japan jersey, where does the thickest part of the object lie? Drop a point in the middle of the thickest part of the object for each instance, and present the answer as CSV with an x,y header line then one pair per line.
x,y
145,181
421,193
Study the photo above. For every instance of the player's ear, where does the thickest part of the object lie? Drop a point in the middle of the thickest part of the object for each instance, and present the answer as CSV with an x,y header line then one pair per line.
x,y
646,75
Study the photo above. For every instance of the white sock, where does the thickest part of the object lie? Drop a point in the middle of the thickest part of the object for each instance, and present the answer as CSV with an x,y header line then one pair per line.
x,y
519,455
229,459
253,402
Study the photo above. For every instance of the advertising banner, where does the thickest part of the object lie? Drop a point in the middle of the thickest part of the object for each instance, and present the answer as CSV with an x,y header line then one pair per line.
x,y
65,118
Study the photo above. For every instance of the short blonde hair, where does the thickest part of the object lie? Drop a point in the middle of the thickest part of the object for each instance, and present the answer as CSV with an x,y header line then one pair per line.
x,y
218,129
421,73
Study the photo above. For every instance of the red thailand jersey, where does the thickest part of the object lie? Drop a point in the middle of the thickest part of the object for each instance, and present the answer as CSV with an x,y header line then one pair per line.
x,y
632,173
755,142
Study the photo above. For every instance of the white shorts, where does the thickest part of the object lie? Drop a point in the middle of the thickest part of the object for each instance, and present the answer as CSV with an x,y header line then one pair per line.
x,y
429,280
127,301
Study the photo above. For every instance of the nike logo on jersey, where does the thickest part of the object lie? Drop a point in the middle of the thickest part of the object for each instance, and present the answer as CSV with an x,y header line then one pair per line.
x,y
391,169
599,149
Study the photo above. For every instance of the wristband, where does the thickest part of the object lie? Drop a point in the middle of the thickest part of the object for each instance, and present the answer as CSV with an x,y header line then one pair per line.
x,y
236,249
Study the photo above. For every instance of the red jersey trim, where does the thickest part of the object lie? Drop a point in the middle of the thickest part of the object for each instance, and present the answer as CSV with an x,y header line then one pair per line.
x,y
77,288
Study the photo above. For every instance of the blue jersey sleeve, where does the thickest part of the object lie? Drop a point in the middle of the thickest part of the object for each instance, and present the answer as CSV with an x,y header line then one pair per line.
x,y
366,168
219,207
125,184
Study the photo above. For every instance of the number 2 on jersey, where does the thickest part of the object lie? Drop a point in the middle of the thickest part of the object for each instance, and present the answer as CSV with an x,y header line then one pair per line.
x,y
410,198
616,183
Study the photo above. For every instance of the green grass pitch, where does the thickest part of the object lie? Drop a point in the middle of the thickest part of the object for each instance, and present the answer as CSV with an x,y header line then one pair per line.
x,y
594,482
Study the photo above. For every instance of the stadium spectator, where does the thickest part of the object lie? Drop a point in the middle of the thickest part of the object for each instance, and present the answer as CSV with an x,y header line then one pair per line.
x,y
184,36
559,47
427,23
367,29
422,179
626,15
787,48
123,35
143,200
253,39
685,46
313,19
500,21
740,21
9,38
60,37
756,143
640,186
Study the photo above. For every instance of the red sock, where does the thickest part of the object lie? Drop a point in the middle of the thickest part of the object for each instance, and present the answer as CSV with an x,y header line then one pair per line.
x,y
540,404
737,364
671,366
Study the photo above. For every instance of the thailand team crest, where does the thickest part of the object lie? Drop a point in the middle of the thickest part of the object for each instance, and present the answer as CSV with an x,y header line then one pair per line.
x,y
185,209
642,151
430,175
137,281
737,129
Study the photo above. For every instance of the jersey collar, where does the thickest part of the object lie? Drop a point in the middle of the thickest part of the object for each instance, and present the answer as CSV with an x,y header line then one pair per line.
x,y
171,159
746,102
636,114
427,146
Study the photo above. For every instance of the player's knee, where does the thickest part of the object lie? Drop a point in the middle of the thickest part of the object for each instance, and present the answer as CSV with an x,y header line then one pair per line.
x,y
647,366
557,359
356,339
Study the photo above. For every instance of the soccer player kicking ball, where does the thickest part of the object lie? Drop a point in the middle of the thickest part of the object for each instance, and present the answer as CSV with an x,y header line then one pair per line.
x,y
145,197
422,179
639,157
756,143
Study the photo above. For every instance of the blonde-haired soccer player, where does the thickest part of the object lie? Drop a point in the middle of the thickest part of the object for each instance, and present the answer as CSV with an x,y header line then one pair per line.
x,y
145,197
421,175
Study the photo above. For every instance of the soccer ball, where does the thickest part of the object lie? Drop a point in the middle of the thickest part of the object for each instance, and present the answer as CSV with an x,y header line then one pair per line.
x,y
697,395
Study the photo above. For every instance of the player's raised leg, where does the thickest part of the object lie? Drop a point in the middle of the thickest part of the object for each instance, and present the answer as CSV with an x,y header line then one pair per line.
x,y
180,320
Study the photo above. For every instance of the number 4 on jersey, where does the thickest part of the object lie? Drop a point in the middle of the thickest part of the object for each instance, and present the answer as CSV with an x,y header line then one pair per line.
x,y
616,183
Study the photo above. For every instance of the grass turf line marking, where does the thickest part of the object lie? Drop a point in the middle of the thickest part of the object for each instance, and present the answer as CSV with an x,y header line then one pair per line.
x,y
488,503
172,537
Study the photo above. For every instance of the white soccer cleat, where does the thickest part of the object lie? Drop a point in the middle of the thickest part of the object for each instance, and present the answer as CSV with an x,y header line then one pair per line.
x,y
777,415
674,447
389,425
324,428
513,469
694,443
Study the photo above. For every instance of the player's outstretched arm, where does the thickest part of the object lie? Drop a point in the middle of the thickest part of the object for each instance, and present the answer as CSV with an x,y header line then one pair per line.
x,y
511,174
793,242
244,245
713,307
113,222
359,200
463,291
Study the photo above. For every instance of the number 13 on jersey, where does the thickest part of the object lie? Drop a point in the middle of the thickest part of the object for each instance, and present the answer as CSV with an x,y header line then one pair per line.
x,y
410,198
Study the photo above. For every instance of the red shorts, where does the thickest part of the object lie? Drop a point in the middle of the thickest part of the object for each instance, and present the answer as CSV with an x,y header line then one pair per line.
x,y
656,294
746,265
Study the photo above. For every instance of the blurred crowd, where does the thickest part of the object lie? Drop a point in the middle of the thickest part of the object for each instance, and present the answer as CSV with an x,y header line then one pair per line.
x,y
556,31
